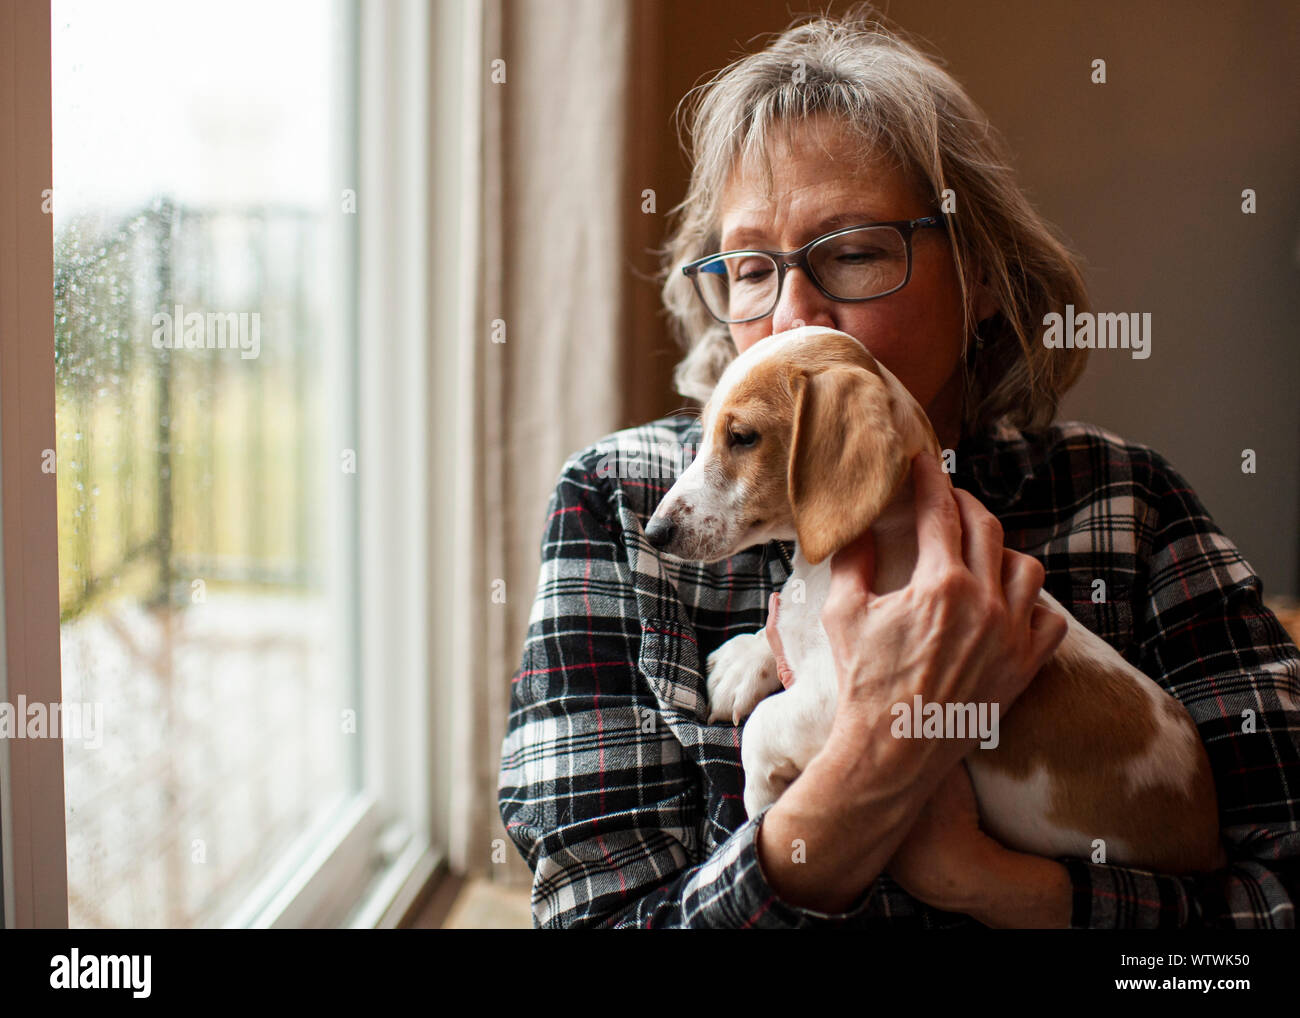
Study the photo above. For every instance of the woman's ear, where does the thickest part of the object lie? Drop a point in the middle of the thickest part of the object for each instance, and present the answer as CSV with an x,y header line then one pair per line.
x,y
846,458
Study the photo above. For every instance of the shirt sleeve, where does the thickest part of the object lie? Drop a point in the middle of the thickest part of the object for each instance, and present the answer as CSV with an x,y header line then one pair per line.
x,y
595,791
1204,632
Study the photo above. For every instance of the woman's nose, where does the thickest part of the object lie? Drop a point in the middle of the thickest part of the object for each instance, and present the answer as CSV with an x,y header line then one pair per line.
x,y
801,303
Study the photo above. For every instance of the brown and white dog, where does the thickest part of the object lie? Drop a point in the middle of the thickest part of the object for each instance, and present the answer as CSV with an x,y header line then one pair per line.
x,y
808,438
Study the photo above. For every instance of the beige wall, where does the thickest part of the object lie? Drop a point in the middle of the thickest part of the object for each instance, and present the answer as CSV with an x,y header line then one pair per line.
x,y
1143,174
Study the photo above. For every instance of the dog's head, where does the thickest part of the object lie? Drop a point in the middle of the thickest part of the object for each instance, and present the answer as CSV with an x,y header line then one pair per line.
x,y
805,437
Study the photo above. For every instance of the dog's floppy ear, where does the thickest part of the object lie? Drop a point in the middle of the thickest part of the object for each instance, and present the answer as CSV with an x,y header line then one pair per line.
x,y
846,458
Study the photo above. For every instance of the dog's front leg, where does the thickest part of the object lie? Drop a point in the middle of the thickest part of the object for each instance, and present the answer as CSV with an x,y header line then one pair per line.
x,y
768,768
785,732
742,673
779,741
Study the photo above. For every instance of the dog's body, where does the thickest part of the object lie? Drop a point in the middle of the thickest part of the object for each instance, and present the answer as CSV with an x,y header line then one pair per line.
x,y
1093,752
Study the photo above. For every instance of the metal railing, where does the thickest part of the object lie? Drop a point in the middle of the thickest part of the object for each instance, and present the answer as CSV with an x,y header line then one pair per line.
x,y
179,411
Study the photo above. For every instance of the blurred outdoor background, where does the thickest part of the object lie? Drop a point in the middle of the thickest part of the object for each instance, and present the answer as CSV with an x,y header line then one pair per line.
x,y
196,513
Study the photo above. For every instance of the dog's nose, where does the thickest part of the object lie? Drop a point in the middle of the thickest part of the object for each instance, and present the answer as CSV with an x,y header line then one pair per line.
x,y
659,531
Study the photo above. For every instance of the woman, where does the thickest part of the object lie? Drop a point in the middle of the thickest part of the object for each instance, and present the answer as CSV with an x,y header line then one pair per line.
x,y
627,804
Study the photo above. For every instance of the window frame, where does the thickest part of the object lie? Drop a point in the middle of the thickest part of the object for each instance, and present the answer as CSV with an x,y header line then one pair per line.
x,y
33,835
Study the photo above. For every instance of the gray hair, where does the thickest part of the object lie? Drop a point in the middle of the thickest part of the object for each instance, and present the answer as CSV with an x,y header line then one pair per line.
x,y
899,102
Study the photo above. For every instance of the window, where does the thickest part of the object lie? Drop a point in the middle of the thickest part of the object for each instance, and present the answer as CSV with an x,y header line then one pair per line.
x,y
230,573
206,363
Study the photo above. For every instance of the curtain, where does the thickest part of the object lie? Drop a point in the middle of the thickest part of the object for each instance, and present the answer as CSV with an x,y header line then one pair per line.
x,y
550,322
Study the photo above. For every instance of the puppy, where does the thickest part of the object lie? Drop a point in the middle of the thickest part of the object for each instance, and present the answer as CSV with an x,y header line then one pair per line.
x,y
808,438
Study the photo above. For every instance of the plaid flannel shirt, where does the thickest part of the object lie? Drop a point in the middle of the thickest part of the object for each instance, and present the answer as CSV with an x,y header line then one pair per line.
x,y
627,805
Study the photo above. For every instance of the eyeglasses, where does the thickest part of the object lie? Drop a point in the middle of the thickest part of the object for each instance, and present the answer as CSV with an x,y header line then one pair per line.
x,y
851,265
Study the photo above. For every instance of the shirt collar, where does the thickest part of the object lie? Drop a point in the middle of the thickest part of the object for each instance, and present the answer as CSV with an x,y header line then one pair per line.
x,y
994,467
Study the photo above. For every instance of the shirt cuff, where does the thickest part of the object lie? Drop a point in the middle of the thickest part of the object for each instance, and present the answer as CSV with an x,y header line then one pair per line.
x,y
756,904
1115,898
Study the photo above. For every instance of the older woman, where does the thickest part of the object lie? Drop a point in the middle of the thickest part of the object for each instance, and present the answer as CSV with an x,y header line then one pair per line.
x,y
626,803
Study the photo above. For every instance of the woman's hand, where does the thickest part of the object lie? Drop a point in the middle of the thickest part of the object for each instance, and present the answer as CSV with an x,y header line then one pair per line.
x,y
965,629
949,863
944,847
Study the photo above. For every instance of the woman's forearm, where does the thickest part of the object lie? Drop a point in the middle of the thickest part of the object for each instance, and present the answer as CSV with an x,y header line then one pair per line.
x,y
1015,890
834,829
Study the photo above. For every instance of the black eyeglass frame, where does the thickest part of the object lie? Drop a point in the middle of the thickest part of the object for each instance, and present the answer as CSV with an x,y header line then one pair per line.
x,y
799,258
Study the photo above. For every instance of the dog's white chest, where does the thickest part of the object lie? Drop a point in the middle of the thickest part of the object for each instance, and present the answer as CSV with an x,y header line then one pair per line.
x,y
803,638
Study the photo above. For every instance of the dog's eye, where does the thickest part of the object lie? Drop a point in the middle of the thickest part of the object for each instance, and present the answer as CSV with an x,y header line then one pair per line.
x,y
744,439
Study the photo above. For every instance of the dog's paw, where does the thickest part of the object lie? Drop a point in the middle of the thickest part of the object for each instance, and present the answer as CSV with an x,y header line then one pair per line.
x,y
742,673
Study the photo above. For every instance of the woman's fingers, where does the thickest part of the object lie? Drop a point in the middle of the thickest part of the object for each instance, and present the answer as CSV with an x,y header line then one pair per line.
x,y
1047,630
954,528
970,629
774,639
938,520
981,538
1022,579
853,570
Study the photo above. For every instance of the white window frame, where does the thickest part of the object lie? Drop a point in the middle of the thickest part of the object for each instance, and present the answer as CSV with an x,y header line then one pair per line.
x,y
377,857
